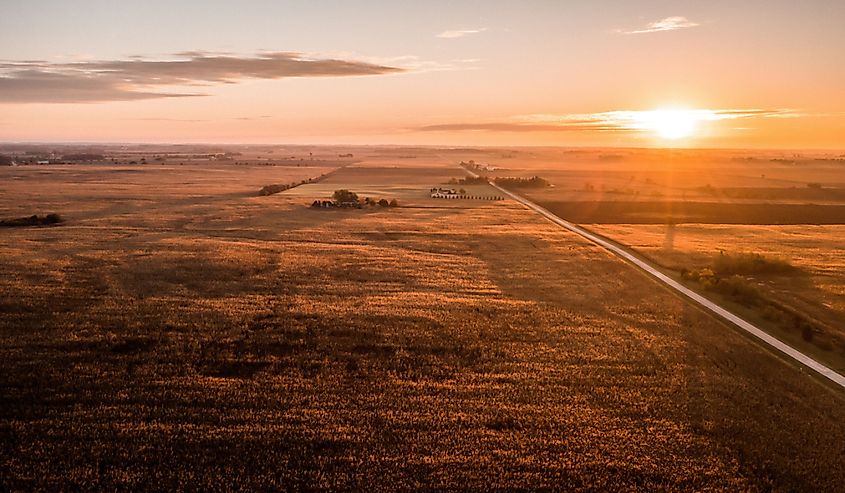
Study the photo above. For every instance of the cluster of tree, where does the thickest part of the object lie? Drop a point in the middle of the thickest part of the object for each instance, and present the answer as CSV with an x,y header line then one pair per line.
x,y
533,182
482,167
470,180
344,196
5,160
380,202
349,199
33,220
271,189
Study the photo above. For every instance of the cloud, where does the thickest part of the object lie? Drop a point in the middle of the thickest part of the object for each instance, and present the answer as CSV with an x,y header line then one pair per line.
x,y
39,86
608,121
518,127
138,78
460,33
665,24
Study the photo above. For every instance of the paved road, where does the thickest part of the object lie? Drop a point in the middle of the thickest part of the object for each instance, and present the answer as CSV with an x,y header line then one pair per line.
x,y
680,288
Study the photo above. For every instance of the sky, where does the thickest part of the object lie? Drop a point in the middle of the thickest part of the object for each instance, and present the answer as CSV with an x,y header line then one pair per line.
x,y
687,73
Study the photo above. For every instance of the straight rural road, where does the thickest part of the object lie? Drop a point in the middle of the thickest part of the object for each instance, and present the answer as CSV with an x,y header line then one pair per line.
x,y
651,270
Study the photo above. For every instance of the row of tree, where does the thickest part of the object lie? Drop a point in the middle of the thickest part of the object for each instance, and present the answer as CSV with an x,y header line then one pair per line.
x,y
533,182
281,187
470,180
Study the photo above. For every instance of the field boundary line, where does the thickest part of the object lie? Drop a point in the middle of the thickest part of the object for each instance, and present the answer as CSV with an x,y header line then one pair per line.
x,y
700,300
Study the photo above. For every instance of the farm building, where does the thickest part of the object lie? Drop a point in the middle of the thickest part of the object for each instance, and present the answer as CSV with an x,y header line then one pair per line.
x,y
444,193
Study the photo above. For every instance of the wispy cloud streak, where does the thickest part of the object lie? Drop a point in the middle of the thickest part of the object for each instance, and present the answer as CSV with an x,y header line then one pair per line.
x,y
460,33
666,24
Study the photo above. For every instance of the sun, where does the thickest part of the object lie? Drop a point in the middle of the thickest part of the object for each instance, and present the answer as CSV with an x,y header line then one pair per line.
x,y
671,124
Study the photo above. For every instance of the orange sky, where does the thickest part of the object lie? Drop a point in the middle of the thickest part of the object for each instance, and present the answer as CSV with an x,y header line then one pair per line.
x,y
734,74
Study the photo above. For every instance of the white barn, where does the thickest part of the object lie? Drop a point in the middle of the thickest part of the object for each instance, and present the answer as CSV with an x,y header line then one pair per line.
x,y
444,193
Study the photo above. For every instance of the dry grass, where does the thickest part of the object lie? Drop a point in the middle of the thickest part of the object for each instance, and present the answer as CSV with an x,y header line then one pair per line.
x,y
814,290
232,341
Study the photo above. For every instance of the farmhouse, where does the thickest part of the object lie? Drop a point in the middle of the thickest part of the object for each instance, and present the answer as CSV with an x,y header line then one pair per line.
x,y
444,193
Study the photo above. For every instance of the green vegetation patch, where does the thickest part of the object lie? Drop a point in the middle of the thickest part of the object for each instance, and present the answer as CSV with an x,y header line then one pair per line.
x,y
734,287
726,271
726,276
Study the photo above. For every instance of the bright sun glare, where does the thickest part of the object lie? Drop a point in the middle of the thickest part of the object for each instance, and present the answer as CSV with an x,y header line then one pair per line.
x,y
671,124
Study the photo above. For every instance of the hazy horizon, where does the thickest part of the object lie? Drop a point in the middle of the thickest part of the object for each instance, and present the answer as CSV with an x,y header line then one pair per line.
x,y
432,146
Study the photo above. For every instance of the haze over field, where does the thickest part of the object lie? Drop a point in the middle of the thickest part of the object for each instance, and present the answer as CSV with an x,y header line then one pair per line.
x,y
756,73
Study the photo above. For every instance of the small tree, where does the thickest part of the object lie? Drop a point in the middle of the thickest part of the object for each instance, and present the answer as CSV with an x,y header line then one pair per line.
x,y
344,195
383,203
394,203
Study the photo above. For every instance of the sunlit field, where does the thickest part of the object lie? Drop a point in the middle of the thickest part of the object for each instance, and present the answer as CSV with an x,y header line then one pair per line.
x,y
815,287
178,331
685,208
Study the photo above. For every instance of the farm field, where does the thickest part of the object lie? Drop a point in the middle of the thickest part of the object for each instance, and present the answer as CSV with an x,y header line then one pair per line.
x,y
118,193
783,209
656,187
178,331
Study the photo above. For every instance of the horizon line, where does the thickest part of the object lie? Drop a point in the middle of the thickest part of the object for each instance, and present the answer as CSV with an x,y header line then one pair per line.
x,y
436,146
